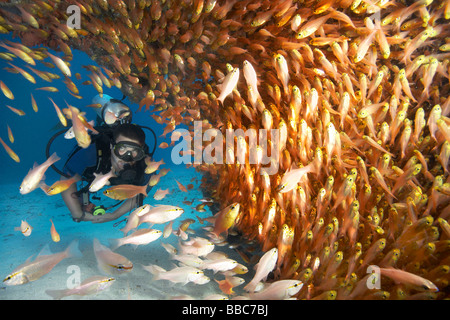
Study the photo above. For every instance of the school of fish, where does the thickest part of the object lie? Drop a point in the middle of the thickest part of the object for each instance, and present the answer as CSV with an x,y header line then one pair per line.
x,y
358,90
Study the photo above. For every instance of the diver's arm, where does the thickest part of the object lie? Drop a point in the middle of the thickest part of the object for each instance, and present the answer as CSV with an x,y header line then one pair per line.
x,y
127,206
72,202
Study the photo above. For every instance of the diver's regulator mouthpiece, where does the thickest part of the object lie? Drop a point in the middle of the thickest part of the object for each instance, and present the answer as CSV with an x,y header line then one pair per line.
x,y
113,112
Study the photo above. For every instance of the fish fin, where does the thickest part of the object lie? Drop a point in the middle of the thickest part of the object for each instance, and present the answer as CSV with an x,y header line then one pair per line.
x,y
73,250
56,294
114,243
154,270
45,251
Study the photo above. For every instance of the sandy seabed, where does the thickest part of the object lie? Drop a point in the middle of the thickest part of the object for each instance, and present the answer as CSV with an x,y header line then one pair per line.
x,y
37,209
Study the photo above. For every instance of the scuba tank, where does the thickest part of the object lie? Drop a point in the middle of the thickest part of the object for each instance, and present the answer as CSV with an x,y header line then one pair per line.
x,y
112,111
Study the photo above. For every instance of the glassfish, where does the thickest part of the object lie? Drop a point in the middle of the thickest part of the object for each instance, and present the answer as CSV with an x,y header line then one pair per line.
x,y
278,290
91,285
196,246
133,218
100,181
219,264
139,237
181,275
292,177
160,194
152,166
225,219
228,85
55,236
80,131
408,278
43,264
6,91
265,265
25,228
161,214
60,64
36,175
10,152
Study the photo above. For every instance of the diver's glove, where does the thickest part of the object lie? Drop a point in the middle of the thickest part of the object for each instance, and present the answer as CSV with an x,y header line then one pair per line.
x,y
99,211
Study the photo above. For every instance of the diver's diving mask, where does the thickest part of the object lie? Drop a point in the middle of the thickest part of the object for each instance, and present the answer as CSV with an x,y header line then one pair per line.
x,y
128,151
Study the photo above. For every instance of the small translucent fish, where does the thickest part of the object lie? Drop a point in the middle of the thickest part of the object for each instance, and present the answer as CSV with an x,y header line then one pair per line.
x,y
91,285
161,214
6,91
60,64
25,228
49,89
181,275
36,174
60,115
16,111
100,181
40,266
10,134
152,166
55,235
228,85
25,74
182,188
278,290
139,237
265,266
160,194
408,278
10,152
34,104
19,53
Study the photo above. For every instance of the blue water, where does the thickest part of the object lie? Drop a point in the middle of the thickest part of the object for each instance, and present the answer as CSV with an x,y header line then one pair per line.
x,y
31,134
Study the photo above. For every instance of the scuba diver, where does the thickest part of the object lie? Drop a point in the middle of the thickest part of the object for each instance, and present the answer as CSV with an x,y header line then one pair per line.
x,y
118,151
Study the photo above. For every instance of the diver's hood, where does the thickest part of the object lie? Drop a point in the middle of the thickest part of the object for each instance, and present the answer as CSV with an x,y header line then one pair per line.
x,y
112,111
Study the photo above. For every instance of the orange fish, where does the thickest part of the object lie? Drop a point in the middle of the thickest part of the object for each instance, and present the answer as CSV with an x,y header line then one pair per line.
x,y
49,89
16,111
61,185
81,134
25,74
225,219
34,104
10,134
60,64
182,188
53,233
229,283
61,117
19,53
125,191
6,91
11,153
